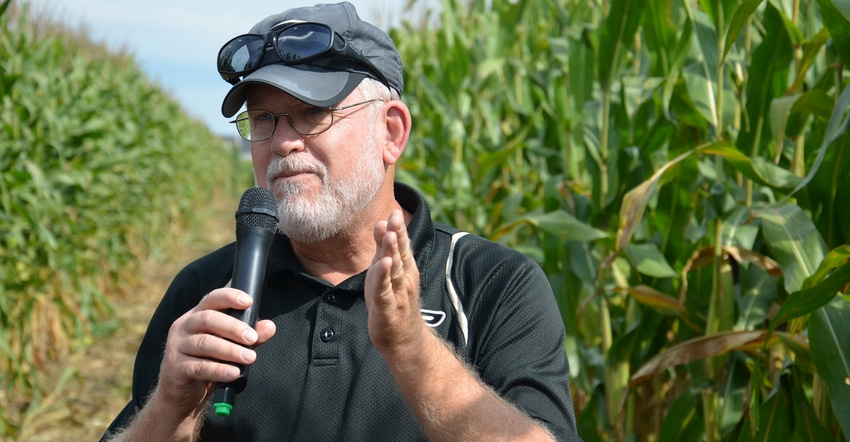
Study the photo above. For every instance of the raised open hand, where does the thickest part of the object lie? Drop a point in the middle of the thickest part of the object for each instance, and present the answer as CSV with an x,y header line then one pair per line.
x,y
392,289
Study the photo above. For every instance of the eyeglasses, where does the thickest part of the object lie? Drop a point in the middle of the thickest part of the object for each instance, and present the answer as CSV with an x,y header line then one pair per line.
x,y
298,43
306,119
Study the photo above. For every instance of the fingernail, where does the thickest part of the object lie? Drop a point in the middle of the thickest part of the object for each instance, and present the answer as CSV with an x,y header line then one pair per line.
x,y
250,335
248,355
244,299
232,372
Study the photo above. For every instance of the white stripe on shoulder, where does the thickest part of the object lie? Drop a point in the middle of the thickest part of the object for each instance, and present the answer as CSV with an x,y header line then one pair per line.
x,y
461,316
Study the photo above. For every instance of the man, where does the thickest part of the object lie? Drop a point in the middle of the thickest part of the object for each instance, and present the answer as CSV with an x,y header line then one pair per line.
x,y
376,323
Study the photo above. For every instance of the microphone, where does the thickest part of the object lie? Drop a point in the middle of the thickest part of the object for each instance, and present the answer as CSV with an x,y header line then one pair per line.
x,y
256,223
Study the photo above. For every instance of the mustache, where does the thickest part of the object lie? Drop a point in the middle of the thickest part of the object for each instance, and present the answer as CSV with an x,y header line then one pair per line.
x,y
290,164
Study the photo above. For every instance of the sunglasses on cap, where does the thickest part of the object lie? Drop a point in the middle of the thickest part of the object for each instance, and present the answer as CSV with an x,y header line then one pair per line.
x,y
295,43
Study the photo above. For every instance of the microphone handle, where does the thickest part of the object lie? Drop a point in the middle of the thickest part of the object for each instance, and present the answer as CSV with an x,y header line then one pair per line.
x,y
249,268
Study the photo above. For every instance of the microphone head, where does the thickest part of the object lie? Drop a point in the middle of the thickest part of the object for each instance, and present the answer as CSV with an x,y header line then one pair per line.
x,y
257,208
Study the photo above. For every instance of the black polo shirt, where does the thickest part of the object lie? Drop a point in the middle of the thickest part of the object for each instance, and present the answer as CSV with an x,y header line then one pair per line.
x,y
319,378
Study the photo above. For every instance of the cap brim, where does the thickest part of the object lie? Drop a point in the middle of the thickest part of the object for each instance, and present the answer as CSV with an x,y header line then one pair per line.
x,y
310,84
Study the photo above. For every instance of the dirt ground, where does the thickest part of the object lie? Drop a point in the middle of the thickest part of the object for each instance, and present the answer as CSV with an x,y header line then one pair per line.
x,y
101,373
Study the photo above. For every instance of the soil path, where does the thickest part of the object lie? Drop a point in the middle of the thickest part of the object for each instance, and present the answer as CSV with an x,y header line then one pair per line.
x,y
101,373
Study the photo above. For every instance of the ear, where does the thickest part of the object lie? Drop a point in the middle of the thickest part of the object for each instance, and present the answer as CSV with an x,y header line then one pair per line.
x,y
397,120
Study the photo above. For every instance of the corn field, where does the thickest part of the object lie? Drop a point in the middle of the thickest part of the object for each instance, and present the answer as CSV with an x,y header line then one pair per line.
x,y
98,168
676,167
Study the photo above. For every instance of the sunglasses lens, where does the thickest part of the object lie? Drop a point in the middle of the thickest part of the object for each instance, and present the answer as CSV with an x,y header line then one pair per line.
x,y
303,41
294,44
241,54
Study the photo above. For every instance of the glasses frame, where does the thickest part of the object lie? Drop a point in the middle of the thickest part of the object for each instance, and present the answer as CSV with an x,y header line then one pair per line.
x,y
243,116
270,39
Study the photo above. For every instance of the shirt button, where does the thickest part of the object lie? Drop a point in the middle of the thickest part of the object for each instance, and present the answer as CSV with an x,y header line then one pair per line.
x,y
331,298
327,335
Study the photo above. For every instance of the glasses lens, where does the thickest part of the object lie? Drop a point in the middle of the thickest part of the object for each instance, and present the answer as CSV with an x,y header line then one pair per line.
x,y
303,41
310,120
255,125
241,54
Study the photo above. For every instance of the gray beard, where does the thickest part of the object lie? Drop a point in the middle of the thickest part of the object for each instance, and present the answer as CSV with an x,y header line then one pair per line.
x,y
312,219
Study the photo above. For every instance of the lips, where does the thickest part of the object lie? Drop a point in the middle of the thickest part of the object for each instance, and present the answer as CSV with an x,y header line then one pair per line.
x,y
291,173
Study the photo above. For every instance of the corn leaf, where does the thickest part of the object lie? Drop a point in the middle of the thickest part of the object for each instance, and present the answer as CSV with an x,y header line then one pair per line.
x,y
649,261
806,301
694,350
739,20
838,123
564,226
794,241
836,17
829,329
617,36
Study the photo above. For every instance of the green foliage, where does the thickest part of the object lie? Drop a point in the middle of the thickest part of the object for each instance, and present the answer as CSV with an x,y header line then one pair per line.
x,y
98,167
675,166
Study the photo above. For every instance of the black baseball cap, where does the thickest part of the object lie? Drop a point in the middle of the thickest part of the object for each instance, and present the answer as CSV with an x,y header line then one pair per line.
x,y
329,82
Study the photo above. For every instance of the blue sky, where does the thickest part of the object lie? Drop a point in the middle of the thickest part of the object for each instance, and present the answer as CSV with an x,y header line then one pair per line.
x,y
176,41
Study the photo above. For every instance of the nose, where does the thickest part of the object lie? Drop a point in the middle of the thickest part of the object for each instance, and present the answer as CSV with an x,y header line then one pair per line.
x,y
285,140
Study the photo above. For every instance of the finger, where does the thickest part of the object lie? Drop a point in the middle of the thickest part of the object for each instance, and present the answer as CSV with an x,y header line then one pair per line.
x,y
225,298
396,224
213,347
208,346
405,274
265,330
207,370
214,321
391,250
378,232
378,282
219,324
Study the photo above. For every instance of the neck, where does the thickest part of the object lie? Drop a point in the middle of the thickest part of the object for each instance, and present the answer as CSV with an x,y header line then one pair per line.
x,y
335,259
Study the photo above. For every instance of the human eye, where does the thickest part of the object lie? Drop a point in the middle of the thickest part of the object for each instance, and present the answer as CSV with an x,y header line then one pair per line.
x,y
260,117
311,116
311,112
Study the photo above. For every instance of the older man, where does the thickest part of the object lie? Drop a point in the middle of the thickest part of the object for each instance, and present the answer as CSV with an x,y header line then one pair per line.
x,y
376,323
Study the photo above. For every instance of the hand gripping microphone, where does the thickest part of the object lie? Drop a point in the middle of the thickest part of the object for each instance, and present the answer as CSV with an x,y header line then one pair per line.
x,y
256,223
